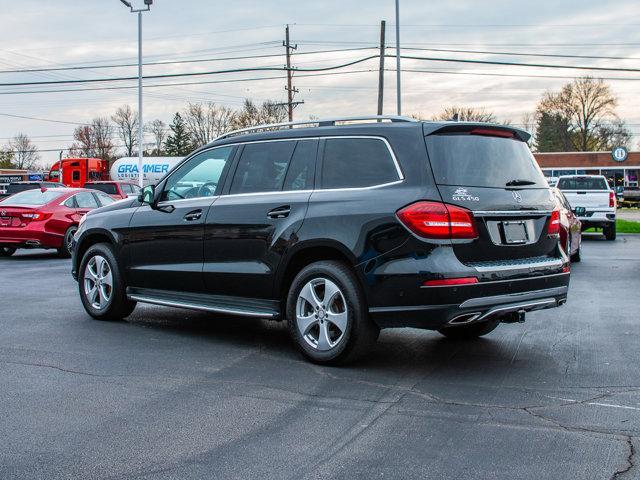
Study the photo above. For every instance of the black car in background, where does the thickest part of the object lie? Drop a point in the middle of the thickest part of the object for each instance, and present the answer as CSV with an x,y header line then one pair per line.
x,y
16,187
340,229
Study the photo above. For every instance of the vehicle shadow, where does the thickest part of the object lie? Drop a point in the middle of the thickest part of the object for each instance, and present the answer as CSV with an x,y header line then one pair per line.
x,y
30,256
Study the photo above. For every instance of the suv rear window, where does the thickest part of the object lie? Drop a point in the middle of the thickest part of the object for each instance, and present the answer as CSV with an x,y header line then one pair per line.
x,y
108,188
482,161
357,163
582,183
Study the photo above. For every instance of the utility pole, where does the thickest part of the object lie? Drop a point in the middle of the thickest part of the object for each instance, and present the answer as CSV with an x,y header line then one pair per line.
x,y
398,86
291,90
381,69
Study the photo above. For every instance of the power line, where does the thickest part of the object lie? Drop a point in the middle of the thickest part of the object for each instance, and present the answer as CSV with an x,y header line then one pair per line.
x,y
172,62
518,54
40,119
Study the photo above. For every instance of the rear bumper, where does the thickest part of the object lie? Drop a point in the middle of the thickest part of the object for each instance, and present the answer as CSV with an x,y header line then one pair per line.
x,y
598,219
29,238
477,302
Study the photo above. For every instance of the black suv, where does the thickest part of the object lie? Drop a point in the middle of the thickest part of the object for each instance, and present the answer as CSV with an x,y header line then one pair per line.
x,y
338,229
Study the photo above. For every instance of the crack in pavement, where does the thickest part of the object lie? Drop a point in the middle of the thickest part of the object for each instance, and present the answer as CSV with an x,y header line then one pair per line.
x,y
620,473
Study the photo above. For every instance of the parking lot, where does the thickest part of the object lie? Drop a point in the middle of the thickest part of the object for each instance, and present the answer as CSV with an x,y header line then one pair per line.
x,y
177,394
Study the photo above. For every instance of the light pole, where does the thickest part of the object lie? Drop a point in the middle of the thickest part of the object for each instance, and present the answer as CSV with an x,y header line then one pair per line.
x,y
398,87
139,12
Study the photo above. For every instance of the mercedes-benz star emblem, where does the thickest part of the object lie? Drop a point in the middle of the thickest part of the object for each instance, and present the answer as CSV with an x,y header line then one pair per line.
x,y
516,196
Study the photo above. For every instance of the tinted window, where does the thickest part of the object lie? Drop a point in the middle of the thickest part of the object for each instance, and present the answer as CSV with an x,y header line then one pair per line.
x,y
262,167
582,183
357,162
199,176
86,200
104,199
71,202
482,161
302,167
109,188
33,197
76,175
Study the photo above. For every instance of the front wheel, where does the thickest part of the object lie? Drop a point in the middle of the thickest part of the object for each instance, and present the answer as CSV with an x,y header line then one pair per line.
x,y
7,251
468,332
327,314
101,285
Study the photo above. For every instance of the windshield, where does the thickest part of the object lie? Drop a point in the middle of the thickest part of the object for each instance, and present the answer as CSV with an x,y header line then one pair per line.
x,y
483,161
109,188
582,183
33,197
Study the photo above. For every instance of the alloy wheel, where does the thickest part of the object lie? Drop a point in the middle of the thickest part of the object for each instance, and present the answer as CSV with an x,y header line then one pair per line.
x,y
321,314
98,282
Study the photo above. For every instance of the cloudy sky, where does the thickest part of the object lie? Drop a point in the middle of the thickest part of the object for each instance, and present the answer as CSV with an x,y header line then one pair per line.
x,y
91,33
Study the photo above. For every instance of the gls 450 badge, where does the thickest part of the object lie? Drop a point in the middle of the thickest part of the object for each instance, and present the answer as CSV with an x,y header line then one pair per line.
x,y
462,195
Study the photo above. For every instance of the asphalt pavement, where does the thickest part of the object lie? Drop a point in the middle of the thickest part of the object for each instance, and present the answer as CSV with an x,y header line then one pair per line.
x,y
173,394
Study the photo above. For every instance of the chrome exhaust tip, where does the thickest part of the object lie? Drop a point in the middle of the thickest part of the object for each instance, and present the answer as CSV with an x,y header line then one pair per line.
x,y
464,318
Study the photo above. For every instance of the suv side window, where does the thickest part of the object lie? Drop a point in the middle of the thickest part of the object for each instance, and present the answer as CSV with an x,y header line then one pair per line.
x,y
262,167
198,177
357,163
301,172
86,200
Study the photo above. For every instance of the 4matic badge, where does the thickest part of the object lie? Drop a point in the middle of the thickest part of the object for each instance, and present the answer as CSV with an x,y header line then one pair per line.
x,y
462,194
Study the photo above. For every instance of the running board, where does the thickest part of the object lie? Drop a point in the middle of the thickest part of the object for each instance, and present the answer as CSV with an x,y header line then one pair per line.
x,y
207,303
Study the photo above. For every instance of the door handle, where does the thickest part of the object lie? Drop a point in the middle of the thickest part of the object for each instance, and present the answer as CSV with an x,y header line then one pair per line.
x,y
280,212
194,215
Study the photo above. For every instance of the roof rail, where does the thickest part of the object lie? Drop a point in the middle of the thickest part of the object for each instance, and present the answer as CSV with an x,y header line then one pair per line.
x,y
322,122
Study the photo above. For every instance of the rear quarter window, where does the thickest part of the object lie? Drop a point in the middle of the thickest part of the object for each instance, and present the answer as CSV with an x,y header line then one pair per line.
x,y
357,163
482,161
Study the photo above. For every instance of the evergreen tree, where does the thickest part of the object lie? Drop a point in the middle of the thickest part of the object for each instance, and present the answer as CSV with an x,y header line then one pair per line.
x,y
552,133
178,143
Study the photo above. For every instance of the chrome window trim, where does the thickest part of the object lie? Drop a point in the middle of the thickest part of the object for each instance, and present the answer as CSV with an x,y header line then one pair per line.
x,y
399,171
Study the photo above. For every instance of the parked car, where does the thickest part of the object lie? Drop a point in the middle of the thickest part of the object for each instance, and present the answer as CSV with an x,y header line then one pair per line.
x,y
596,196
117,190
45,218
16,187
340,230
570,226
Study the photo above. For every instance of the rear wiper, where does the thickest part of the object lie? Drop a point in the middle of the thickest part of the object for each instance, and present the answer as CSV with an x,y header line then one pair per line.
x,y
517,182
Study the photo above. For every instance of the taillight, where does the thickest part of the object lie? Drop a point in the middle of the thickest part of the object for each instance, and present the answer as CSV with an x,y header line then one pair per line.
x,y
554,223
612,200
438,220
35,216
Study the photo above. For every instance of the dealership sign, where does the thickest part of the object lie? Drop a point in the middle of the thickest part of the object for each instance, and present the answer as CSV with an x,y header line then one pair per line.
x,y
619,154
10,178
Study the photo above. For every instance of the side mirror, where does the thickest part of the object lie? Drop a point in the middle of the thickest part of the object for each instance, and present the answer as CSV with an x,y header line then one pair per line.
x,y
579,211
147,195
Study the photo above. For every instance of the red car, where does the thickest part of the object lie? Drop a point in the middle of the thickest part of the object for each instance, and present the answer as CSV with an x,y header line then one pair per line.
x,y
117,190
570,227
45,218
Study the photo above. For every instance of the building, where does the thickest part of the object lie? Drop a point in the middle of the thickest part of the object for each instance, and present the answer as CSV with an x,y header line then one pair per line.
x,y
621,173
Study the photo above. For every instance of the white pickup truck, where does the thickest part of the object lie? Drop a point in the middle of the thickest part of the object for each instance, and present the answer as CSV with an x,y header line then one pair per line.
x,y
594,201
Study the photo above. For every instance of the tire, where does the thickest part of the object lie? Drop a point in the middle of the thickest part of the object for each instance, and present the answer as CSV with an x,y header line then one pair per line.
x,y
107,302
468,332
311,319
610,231
65,250
7,251
575,258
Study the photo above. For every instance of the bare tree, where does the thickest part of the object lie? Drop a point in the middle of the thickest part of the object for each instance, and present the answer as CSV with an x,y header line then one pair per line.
x,y
251,114
206,121
588,107
25,153
158,130
94,140
466,114
126,120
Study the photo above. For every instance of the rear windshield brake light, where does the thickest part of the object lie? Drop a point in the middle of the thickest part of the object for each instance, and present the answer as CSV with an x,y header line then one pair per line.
x,y
492,132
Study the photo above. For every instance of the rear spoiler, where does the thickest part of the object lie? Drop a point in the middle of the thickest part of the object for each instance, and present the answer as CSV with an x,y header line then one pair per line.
x,y
476,128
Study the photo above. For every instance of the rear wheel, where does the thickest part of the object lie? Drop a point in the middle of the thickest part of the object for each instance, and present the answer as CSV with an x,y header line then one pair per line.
x,y
467,332
327,314
65,250
610,231
101,285
7,251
